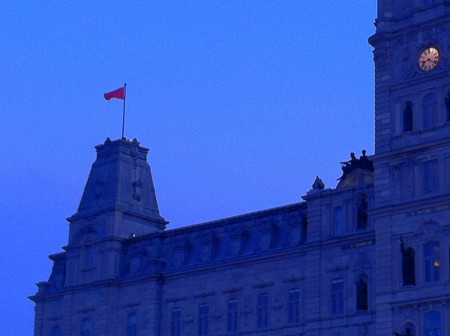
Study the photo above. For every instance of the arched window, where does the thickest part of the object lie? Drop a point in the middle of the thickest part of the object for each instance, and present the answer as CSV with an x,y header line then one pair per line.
x,y
408,265
408,117
362,293
429,110
361,216
432,324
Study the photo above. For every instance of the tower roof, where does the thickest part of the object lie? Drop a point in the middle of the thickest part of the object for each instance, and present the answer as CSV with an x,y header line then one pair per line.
x,y
120,180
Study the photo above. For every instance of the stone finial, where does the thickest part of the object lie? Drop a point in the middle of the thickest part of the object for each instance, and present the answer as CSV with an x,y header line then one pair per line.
x,y
318,184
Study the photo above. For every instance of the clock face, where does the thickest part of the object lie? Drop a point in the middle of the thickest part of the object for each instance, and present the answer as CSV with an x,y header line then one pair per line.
x,y
429,58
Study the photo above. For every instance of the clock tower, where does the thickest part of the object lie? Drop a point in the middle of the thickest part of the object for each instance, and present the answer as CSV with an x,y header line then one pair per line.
x,y
411,211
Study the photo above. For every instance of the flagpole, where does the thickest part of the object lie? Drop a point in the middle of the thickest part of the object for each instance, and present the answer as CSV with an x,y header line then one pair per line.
x,y
123,114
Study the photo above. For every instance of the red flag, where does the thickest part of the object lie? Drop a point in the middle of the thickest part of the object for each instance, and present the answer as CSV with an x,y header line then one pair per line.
x,y
119,94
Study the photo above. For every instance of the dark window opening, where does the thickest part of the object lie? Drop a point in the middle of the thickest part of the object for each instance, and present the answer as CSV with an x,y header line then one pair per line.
x,y
410,329
408,118
408,265
362,217
447,107
304,228
362,292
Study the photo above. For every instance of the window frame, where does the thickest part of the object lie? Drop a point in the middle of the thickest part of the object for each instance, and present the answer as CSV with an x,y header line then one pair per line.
x,y
431,261
294,297
175,321
337,292
262,310
232,315
203,320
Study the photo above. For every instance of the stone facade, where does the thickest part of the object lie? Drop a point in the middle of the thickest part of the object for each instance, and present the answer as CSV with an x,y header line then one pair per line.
x,y
369,257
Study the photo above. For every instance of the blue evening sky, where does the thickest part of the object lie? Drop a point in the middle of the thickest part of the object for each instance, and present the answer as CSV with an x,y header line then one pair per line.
x,y
242,103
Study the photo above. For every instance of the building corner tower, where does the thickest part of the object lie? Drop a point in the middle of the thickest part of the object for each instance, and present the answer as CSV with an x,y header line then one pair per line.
x,y
117,207
411,211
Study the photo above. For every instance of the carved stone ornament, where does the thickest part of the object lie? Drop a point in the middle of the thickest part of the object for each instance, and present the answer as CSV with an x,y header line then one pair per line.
x,y
318,184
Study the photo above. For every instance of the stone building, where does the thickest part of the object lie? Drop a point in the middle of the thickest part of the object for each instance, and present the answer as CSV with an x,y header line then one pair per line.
x,y
370,257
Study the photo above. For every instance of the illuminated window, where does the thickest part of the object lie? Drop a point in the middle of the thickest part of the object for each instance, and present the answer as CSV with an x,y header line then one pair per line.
x,y
429,111
408,117
362,294
432,324
338,218
131,324
203,319
262,311
337,296
232,316
56,331
432,261
85,327
175,322
294,306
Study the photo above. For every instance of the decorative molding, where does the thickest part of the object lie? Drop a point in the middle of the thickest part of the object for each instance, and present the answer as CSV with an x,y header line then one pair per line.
x,y
263,284
233,289
294,278
337,268
204,294
86,310
132,304
55,317
176,299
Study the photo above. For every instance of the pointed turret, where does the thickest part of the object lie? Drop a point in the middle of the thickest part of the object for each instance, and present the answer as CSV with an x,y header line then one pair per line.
x,y
119,198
